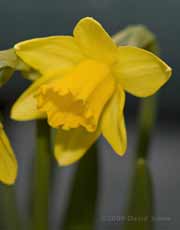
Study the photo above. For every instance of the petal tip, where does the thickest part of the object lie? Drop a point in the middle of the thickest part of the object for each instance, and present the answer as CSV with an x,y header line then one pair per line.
x,y
14,115
88,18
169,71
11,178
16,47
63,161
121,152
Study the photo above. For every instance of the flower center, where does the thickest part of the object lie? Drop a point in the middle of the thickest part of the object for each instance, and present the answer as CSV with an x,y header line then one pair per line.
x,y
78,98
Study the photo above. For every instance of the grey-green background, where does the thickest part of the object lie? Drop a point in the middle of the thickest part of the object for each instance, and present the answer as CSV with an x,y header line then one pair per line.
x,y
24,19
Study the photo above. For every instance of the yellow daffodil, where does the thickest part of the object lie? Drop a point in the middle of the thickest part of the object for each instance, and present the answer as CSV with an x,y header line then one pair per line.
x,y
8,164
82,86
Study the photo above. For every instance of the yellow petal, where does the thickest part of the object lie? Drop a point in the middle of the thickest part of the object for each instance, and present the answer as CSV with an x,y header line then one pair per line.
x,y
94,40
71,145
140,72
78,98
8,164
25,108
113,125
50,53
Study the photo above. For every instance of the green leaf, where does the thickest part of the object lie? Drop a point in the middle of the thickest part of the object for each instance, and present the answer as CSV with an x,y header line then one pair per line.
x,y
40,195
9,213
82,203
140,211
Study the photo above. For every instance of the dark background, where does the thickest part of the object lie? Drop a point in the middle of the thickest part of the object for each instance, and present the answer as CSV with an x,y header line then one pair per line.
x,y
24,19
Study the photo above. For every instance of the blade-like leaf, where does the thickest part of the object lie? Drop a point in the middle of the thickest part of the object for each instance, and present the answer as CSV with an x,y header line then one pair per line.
x,y
140,210
82,203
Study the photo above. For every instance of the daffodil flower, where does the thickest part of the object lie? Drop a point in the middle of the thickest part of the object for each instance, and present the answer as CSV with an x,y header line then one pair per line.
x,y
8,164
82,86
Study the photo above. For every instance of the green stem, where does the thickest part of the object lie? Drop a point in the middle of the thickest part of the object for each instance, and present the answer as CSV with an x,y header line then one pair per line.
x,y
141,201
140,206
9,218
81,209
42,177
147,118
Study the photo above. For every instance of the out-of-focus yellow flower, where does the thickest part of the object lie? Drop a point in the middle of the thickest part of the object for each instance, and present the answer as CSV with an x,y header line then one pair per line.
x,y
83,84
8,164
